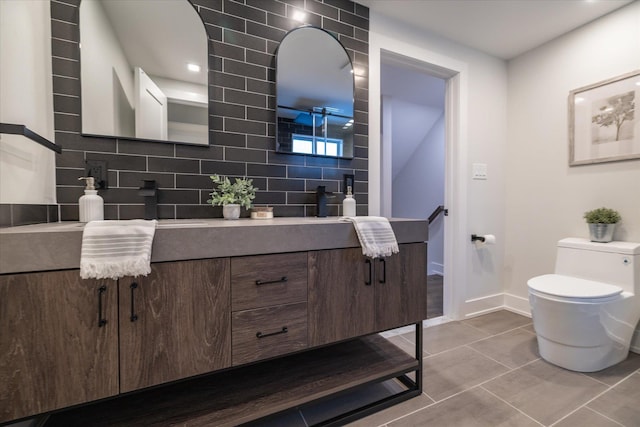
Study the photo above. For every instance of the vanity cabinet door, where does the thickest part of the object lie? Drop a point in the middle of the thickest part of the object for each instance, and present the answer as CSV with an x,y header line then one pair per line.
x,y
351,295
58,342
174,323
401,287
341,295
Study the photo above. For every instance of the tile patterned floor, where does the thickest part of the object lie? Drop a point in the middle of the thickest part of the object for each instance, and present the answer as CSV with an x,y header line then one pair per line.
x,y
486,371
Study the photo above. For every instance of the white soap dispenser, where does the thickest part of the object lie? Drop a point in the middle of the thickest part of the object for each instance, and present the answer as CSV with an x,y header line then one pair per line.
x,y
349,204
91,205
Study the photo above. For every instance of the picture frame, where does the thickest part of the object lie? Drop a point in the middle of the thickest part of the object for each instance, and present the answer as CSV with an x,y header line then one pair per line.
x,y
604,124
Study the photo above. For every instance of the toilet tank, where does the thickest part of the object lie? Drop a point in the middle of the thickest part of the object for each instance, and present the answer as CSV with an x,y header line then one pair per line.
x,y
617,263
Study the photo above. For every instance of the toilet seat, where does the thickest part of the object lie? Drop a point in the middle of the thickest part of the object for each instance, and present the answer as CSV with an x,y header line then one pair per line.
x,y
573,288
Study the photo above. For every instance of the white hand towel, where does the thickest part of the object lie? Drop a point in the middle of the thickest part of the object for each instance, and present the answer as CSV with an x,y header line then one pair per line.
x,y
376,235
114,249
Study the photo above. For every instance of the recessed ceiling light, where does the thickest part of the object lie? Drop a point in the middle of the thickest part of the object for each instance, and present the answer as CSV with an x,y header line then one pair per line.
x,y
193,67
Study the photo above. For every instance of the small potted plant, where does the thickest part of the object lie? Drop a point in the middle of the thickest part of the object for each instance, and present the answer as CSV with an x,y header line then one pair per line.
x,y
602,223
232,196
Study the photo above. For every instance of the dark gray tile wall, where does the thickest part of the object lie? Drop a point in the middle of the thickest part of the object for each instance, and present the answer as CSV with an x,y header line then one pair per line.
x,y
12,215
244,36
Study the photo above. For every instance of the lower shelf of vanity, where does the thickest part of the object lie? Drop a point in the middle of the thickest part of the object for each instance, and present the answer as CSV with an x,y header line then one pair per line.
x,y
248,393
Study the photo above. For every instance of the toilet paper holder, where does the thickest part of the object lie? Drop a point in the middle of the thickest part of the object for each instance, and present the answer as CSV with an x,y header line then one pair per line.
x,y
475,237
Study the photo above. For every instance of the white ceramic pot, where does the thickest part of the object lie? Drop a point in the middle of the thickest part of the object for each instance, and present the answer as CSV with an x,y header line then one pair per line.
x,y
231,211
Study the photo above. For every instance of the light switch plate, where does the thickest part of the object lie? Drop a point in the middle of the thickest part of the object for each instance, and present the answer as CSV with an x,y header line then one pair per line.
x,y
479,171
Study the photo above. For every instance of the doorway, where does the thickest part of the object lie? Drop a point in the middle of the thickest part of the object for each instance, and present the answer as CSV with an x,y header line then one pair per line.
x,y
387,50
413,110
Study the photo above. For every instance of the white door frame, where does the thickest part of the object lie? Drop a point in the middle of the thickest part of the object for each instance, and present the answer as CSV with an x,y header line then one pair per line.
x,y
456,75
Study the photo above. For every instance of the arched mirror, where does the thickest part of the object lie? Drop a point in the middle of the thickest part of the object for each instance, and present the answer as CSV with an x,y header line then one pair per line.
x,y
144,70
315,89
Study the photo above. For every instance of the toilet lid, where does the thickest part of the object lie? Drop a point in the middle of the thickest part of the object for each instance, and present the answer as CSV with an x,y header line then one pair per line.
x,y
572,287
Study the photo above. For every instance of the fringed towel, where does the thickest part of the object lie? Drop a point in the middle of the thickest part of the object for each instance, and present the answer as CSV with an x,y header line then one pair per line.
x,y
114,249
376,235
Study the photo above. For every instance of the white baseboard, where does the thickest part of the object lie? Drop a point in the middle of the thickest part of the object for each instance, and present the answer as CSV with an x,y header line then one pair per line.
x,y
517,304
436,268
478,306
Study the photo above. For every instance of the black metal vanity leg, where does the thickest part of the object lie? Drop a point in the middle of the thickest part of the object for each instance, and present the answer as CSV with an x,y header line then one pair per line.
x,y
419,356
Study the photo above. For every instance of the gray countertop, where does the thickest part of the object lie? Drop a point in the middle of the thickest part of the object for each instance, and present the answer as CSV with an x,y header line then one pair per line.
x,y
56,246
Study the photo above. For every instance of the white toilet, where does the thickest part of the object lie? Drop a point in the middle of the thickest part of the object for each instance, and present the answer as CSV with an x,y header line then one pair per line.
x,y
585,314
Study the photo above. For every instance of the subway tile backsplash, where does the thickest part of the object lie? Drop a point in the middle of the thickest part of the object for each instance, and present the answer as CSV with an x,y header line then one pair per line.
x,y
243,38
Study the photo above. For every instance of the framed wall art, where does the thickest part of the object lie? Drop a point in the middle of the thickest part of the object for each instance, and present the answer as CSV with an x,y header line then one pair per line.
x,y
604,125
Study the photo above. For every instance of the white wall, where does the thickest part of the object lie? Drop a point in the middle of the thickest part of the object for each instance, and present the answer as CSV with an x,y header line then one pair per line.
x,y
477,206
545,197
418,188
27,169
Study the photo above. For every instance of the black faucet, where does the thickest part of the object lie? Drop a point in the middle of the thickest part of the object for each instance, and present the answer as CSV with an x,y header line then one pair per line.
x,y
321,201
150,193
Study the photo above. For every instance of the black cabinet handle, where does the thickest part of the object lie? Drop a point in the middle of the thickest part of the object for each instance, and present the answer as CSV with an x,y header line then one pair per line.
x,y
383,263
284,330
101,320
267,282
133,316
368,281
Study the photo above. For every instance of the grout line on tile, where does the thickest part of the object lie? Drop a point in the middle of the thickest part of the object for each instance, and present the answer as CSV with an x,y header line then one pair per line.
x,y
608,385
491,358
499,333
509,404
586,407
433,402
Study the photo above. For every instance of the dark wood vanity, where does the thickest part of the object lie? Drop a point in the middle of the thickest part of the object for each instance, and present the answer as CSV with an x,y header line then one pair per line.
x,y
214,341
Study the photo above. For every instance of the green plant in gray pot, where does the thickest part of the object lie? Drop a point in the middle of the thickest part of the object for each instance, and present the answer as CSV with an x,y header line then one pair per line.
x,y
602,223
231,196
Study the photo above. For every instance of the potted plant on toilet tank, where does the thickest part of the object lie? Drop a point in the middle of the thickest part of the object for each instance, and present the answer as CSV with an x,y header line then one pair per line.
x,y
231,196
602,222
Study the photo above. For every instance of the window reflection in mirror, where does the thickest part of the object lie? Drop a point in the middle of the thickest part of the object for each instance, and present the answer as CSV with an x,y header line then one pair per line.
x,y
315,89
144,70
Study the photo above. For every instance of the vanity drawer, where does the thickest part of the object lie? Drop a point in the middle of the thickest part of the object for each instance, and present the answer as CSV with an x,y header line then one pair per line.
x,y
268,332
266,280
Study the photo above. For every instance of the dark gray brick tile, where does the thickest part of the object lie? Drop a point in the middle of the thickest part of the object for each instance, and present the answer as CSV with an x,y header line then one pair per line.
x,y
212,152
254,169
323,9
304,172
245,98
269,33
245,155
244,40
135,179
163,164
224,168
65,67
128,146
268,5
278,184
65,49
66,86
247,12
223,20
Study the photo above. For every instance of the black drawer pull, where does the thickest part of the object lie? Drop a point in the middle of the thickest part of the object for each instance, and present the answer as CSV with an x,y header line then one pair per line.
x,y
101,320
383,263
267,282
133,316
368,281
284,330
